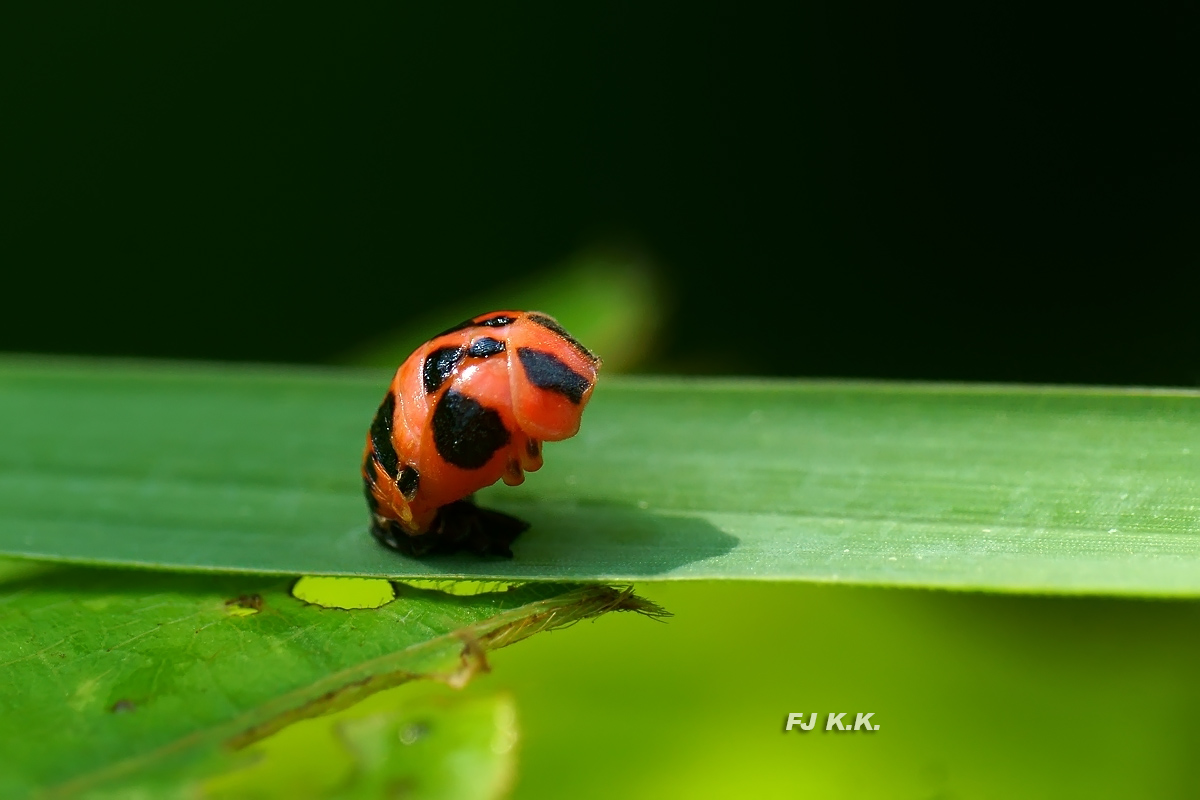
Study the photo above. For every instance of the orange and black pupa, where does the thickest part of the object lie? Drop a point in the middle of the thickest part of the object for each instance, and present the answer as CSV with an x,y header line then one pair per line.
x,y
471,406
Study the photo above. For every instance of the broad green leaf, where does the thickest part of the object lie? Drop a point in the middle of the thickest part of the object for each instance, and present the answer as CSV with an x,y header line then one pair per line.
x,y
974,487
115,676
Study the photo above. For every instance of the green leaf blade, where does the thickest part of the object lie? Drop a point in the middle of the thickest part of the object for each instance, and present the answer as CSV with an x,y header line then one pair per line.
x,y
968,487
107,675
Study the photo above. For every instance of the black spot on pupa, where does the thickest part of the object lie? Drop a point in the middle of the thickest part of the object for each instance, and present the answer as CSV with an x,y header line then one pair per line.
x,y
550,324
466,433
381,436
497,322
547,371
408,482
533,447
487,346
439,365
493,322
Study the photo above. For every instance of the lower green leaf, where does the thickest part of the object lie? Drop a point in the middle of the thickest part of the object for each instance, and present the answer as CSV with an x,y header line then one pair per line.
x,y
420,741
106,675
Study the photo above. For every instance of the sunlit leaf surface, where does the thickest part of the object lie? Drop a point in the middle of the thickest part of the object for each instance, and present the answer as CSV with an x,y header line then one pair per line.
x,y
116,676
256,469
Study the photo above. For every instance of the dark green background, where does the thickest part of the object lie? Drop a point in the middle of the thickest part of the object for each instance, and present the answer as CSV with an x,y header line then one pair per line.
x,y
979,191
